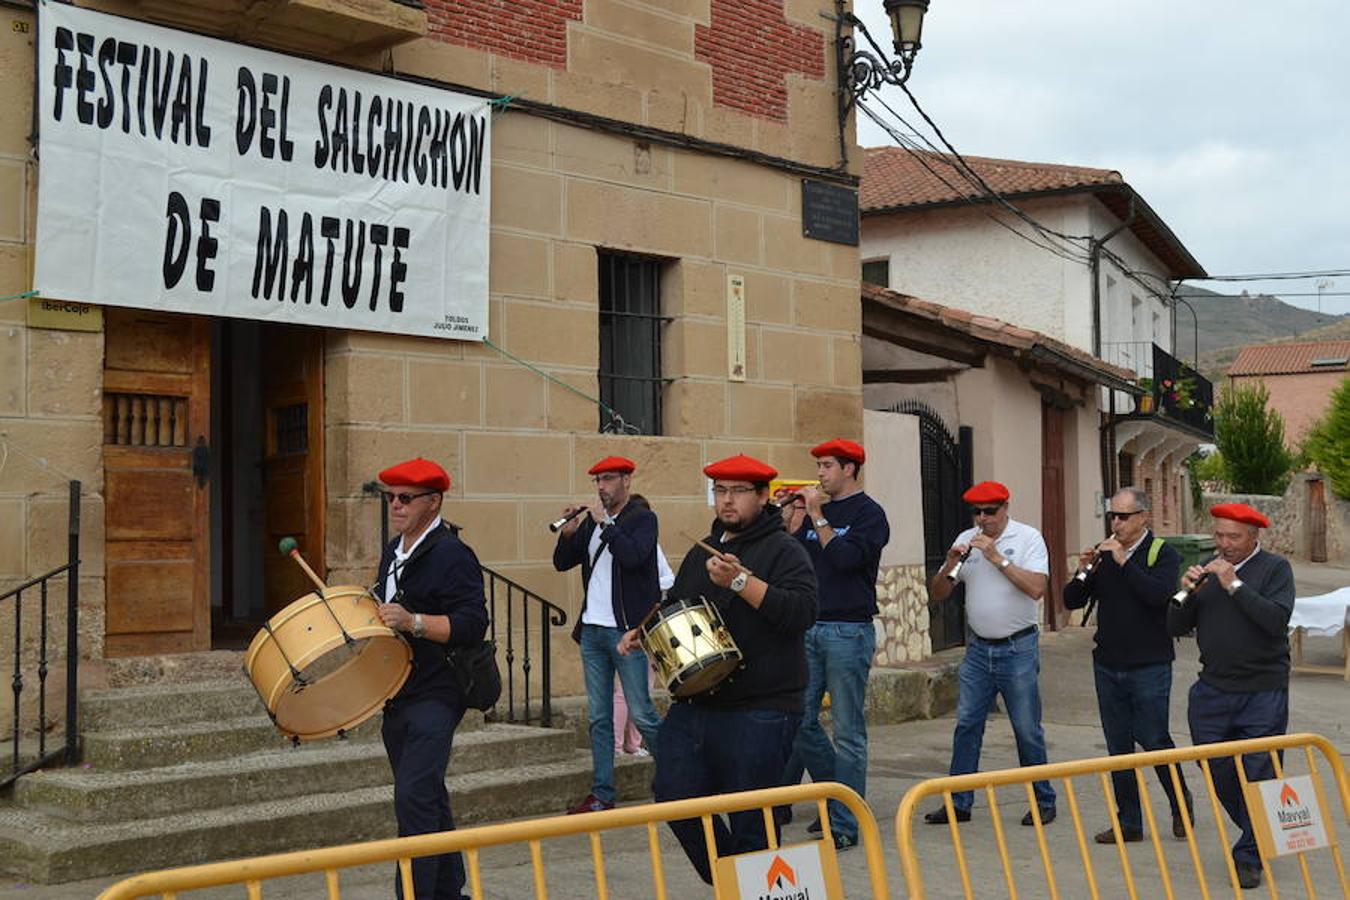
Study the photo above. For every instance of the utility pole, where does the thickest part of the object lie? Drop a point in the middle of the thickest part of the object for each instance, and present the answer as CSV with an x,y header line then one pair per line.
x,y
1322,285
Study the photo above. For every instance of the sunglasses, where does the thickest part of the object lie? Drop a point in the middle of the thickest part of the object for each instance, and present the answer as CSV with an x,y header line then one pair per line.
x,y
985,510
1112,514
404,497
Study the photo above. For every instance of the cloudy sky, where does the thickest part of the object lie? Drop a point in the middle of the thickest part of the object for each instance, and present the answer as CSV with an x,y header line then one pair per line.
x,y
1230,117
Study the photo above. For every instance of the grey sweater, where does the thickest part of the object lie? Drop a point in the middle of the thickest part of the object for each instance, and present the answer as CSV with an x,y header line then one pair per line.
x,y
1244,641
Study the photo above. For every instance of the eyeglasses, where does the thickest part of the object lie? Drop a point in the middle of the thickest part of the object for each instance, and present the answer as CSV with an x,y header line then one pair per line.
x,y
985,510
606,476
404,497
740,490
1112,514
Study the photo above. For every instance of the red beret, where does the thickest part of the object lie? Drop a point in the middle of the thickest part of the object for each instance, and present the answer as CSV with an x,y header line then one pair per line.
x,y
740,468
1239,512
417,472
986,492
842,449
613,464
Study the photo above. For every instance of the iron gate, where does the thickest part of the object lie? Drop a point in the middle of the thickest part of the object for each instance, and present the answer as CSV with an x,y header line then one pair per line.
x,y
945,467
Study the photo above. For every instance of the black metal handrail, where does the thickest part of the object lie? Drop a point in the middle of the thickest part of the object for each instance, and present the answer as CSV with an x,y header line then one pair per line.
x,y
67,753
549,615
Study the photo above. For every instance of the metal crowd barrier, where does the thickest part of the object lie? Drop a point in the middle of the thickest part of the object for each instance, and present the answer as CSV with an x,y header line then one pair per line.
x,y
1093,882
251,873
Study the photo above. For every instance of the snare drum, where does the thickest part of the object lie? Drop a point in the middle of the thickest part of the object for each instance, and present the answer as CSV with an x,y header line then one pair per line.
x,y
324,665
690,646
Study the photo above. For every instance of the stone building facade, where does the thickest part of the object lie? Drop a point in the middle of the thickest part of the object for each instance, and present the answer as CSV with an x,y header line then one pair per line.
x,y
673,132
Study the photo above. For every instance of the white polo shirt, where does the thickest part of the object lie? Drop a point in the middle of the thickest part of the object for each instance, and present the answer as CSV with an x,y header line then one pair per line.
x,y
995,608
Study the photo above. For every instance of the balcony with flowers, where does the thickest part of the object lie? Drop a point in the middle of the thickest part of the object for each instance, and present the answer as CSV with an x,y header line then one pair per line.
x,y
1172,390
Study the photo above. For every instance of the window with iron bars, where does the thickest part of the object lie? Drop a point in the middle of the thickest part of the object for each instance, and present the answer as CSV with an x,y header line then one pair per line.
x,y
630,341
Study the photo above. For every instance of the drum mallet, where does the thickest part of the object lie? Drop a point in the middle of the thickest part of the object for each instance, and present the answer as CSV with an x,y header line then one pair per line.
x,y
713,551
289,547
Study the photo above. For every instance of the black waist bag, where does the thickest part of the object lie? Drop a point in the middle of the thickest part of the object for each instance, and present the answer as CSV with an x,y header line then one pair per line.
x,y
475,668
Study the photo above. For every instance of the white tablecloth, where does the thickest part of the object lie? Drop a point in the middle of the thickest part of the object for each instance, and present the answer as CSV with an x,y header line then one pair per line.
x,y
1325,614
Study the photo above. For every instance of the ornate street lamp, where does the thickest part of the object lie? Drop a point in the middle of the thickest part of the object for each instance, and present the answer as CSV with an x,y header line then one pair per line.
x,y
867,68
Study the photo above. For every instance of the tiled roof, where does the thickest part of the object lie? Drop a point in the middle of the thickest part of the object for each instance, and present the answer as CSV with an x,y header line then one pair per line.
x,y
1290,359
893,178
895,181
1000,333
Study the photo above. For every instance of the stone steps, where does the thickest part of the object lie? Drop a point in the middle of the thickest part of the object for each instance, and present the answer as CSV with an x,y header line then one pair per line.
x,y
90,795
47,850
122,708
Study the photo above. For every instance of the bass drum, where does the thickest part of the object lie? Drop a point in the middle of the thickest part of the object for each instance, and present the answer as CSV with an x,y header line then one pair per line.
x,y
323,665
690,646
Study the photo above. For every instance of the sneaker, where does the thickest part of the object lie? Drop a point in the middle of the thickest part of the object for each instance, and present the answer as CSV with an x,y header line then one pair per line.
x,y
1249,876
844,841
939,816
1128,836
642,751
815,827
592,803
1047,816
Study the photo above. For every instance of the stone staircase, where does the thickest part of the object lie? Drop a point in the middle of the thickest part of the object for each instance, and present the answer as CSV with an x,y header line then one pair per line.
x,y
178,775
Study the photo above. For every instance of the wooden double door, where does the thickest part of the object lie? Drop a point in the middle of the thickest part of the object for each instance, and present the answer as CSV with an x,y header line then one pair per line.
x,y
213,451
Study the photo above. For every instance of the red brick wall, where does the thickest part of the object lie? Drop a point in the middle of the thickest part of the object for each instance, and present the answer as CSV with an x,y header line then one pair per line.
x,y
529,30
1301,399
752,48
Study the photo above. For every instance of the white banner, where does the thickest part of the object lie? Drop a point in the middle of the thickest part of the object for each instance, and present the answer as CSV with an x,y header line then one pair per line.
x,y
193,175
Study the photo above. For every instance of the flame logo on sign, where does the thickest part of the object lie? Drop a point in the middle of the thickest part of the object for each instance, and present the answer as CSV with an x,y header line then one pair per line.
x,y
778,871
1288,796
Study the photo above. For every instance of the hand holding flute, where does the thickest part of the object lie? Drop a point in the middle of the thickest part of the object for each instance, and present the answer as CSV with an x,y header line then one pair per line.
x,y
1196,576
956,558
569,521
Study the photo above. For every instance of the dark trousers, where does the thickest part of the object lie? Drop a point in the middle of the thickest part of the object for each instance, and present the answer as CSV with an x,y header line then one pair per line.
x,y
418,734
1217,715
1133,704
704,752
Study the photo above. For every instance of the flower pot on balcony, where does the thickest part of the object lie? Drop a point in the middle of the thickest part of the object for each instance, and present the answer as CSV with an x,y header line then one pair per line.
x,y
1144,404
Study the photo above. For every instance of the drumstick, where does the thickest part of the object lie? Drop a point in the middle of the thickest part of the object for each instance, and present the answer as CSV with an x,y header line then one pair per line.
x,y
289,547
648,617
715,552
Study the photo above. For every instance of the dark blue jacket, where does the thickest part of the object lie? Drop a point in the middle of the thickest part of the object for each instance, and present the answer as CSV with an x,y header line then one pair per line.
x,y
441,578
1131,606
632,549
846,567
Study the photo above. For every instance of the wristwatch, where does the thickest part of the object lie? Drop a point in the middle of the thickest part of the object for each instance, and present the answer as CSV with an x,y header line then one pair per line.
x,y
1004,563
822,522
739,582
1233,588
419,627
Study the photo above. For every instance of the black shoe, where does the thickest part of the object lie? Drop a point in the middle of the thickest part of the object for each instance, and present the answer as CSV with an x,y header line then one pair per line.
x,y
843,842
1178,821
815,827
939,816
1128,836
1249,876
1047,816
782,815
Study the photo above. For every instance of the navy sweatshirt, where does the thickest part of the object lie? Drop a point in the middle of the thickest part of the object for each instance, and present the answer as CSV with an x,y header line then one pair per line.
x,y
632,549
1244,639
1131,606
846,567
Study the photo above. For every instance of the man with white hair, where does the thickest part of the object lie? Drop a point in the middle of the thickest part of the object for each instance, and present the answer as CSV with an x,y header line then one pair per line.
x,y
1241,623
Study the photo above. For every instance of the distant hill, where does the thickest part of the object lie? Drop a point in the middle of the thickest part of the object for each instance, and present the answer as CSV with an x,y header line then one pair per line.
x,y
1229,322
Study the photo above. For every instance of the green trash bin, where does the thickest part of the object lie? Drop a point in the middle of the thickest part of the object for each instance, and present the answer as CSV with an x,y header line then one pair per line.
x,y
1195,549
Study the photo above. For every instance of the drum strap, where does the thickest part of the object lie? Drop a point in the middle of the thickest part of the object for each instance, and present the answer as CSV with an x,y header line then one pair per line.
x,y
295,673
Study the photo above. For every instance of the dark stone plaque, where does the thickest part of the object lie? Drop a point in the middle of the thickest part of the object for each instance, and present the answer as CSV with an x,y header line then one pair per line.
x,y
830,212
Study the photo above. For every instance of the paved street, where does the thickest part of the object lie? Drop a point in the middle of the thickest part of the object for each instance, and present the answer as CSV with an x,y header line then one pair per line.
x,y
902,755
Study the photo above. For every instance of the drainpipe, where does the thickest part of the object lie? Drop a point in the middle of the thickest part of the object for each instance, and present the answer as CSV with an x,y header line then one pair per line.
x,y
1107,434
1095,268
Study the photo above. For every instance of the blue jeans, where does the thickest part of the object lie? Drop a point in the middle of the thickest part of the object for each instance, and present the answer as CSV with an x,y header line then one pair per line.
x,y
1133,704
600,660
838,659
705,752
1010,670
418,734
1217,715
